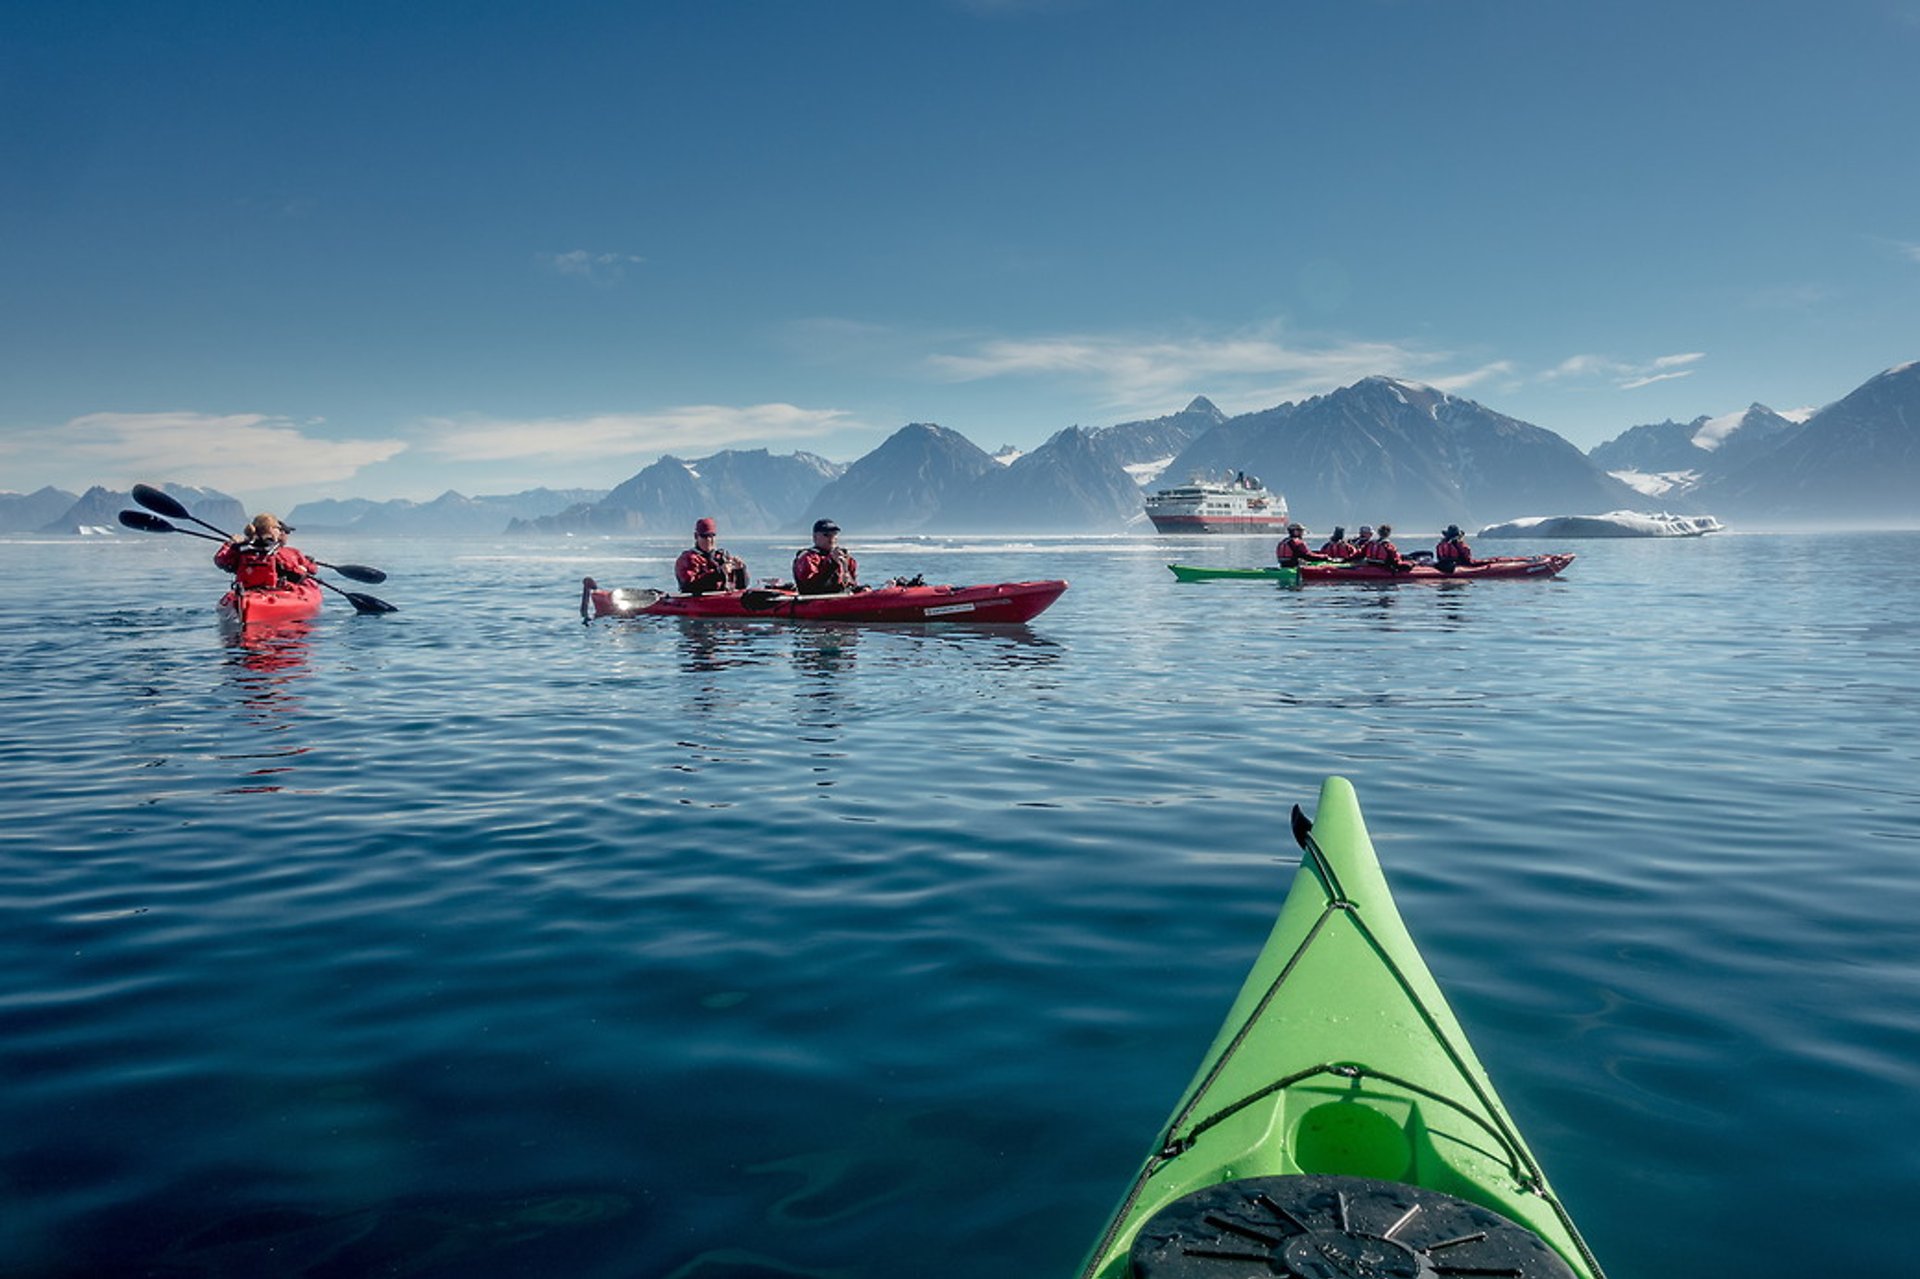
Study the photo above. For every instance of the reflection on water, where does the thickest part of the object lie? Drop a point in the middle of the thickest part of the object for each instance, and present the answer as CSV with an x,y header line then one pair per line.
x,y
708,646
267,662
800,944
824,649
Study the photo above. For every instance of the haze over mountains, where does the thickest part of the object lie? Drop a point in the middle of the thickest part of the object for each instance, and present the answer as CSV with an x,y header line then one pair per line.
x,y
99,508
1674,457
1383,448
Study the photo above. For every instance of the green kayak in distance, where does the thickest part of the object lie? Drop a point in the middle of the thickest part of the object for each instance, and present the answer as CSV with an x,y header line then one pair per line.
x,y
1340,1125
1272,573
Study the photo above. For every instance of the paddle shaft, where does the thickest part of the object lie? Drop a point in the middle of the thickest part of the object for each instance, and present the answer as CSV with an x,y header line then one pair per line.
x,y
152,497
362,603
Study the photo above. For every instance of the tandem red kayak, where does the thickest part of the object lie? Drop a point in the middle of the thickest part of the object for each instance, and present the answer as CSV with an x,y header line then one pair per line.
x,y
999,602
294,602
1505,566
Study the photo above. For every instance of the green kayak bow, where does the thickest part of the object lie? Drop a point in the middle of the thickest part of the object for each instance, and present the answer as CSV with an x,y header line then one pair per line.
x,y
1201,573
1340,1125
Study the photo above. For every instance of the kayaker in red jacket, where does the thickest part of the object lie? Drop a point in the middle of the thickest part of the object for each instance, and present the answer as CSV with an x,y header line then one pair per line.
x,y
1382,553
1453,551
825,568
704,567
1294,551
260,559
1362,543
1338,547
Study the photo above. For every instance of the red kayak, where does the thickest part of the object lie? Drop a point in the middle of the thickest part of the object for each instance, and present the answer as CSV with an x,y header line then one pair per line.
x,y
999,602
1504,566
293,602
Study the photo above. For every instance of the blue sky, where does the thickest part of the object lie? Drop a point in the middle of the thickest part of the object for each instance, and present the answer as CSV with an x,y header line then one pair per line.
x,y
297,250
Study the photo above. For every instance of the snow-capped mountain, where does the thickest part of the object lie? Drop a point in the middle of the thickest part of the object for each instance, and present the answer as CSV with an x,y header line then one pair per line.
x,y
1386,448
1856,460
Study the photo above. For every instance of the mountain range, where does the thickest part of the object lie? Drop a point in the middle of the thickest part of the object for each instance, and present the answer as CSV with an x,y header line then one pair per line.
x,y
750,491
450,513
1382,448
1856,460
52,510
1674,457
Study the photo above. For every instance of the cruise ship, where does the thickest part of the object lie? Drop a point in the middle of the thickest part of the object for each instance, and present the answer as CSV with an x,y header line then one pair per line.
x,y
1241,505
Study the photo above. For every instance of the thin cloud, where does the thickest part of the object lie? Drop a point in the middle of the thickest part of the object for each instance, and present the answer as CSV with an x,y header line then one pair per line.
x,y
595,268
228,451
1137,372
695,428
1472,378
1624,375
1634,384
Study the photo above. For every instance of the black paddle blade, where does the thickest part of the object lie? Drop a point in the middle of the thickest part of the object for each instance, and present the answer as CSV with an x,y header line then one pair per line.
x,y
155,500
368,603
358,572
1301,827
146,523
760,601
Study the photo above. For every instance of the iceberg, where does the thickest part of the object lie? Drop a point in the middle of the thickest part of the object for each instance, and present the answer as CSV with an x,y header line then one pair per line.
x,y
1611,524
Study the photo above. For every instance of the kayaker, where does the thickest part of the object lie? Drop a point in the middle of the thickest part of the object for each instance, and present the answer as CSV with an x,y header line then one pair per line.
x,y
1453,551
825,568
704,567
1294,551
260,559
1362,542
1382,553
1337,547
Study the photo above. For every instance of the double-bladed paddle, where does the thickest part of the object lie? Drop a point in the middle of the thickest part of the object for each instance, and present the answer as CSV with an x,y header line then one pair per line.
x,y
167,504
362,603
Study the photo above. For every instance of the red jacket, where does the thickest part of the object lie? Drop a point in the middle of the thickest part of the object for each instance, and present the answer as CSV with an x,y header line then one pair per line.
x,y
1340,550
1383,553
1295,551
1454,551
257,570
817,572
698,572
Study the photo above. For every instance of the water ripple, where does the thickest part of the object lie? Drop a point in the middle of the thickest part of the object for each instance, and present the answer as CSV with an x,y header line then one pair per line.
x,y
473,940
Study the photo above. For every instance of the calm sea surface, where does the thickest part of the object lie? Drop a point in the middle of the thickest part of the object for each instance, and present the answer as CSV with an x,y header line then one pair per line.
x,y
473,941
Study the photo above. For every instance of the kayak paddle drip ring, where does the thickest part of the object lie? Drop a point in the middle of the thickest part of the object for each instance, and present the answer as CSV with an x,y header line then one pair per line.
x,y
1324,1227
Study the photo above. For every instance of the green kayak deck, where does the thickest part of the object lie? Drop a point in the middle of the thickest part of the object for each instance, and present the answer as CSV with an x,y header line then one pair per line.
x,y
1200,573
1339,1060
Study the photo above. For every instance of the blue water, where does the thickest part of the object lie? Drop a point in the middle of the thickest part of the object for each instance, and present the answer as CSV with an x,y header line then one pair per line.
x,y
470,940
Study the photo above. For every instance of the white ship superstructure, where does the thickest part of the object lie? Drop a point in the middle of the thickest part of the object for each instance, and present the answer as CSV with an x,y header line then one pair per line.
x,y
1241,505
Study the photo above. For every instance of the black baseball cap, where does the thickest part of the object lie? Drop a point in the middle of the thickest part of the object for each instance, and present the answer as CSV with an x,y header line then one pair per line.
x,y
825,526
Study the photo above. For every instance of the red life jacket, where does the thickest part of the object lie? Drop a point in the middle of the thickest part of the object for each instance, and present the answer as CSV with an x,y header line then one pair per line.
x,y
1383,553
817,572
1338,550
257,570
1292,551
1453,550
698,571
